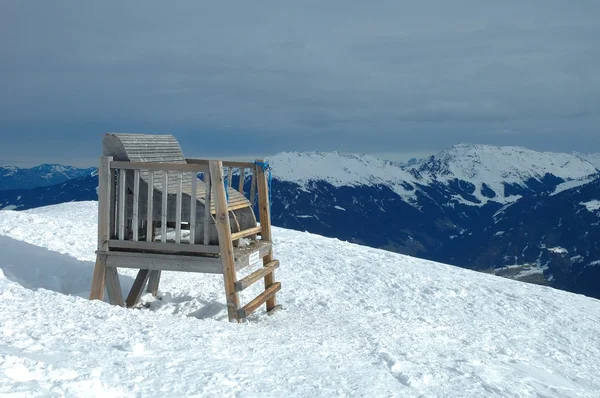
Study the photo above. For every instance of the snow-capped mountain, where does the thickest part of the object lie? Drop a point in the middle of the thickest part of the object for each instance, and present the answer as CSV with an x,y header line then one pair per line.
x,y
356,321
445,208
12,177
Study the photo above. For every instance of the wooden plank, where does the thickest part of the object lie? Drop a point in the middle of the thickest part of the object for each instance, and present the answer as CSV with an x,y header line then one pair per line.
x,y
226,163
178,208
242,177
158,166
113,287
163,247
150,208
153,282
105,189
113,203
233,207
256,275
259,300
193,203
163,214
265,223
246,232
104,196
164,262
98,277
122,196
242,254
136,205
253,187
207,204
137,288
225,243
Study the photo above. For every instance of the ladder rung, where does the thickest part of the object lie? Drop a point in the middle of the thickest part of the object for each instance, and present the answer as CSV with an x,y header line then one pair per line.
x,y
256,275
259,300
246,232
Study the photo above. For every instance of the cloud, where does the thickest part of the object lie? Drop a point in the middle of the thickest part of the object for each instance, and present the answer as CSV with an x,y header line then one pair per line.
x,y
308,75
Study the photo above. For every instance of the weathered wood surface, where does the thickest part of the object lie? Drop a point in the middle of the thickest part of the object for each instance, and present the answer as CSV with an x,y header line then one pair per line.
x,y
169,247
113,287
242,254
164,262
265,223
265,296
104,212
153,282
225,243
256,275
246,232
137,288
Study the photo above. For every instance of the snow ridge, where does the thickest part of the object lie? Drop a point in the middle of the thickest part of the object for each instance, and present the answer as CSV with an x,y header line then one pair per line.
x,y
485,166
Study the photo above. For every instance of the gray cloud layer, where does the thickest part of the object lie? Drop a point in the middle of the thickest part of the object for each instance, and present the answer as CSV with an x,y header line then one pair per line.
x,y
377,76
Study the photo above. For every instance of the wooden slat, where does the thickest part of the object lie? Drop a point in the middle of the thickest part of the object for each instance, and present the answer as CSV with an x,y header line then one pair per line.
x,y
226,163
164,262
255,276
225,243
158,166
163,247
150,207
98,277
122,196
265,223
242,177
207,205
246,232
104,206
137,288
136,204
153,282
193,202
233,207
113,203
178,208
113,287
259,300
163,214
242,254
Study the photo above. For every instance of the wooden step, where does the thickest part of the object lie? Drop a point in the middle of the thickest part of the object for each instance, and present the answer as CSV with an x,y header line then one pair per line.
x,y
246,232
249,308
256,275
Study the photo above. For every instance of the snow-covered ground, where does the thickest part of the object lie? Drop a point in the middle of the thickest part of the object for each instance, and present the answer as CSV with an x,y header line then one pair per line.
x,y
357,322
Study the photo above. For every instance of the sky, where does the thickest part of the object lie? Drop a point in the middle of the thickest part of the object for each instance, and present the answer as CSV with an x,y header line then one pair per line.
x,y
244,79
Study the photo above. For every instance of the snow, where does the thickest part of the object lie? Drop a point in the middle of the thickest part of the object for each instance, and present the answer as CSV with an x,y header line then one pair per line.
x,y
339,208
558,250
477,164
356,322
496,166
573,184
592,205
341,170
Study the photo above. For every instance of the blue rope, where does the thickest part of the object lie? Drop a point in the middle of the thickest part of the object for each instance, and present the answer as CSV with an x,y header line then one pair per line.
x,y
265,166
226,181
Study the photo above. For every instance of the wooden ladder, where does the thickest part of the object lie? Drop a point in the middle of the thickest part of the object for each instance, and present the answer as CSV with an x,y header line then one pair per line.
x,y
232,285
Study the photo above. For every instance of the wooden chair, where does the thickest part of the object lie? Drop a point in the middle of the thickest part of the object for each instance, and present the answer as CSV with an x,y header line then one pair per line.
x,y
153,216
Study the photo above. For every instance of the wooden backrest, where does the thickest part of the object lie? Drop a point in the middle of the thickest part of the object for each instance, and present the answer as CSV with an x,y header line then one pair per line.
x,y
142,147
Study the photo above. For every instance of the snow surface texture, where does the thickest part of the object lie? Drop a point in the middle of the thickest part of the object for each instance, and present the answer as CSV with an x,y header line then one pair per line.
x,y
477,164
357,322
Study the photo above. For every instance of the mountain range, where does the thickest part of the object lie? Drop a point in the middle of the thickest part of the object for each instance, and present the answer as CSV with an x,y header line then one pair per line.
x,y
518,213
12,177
